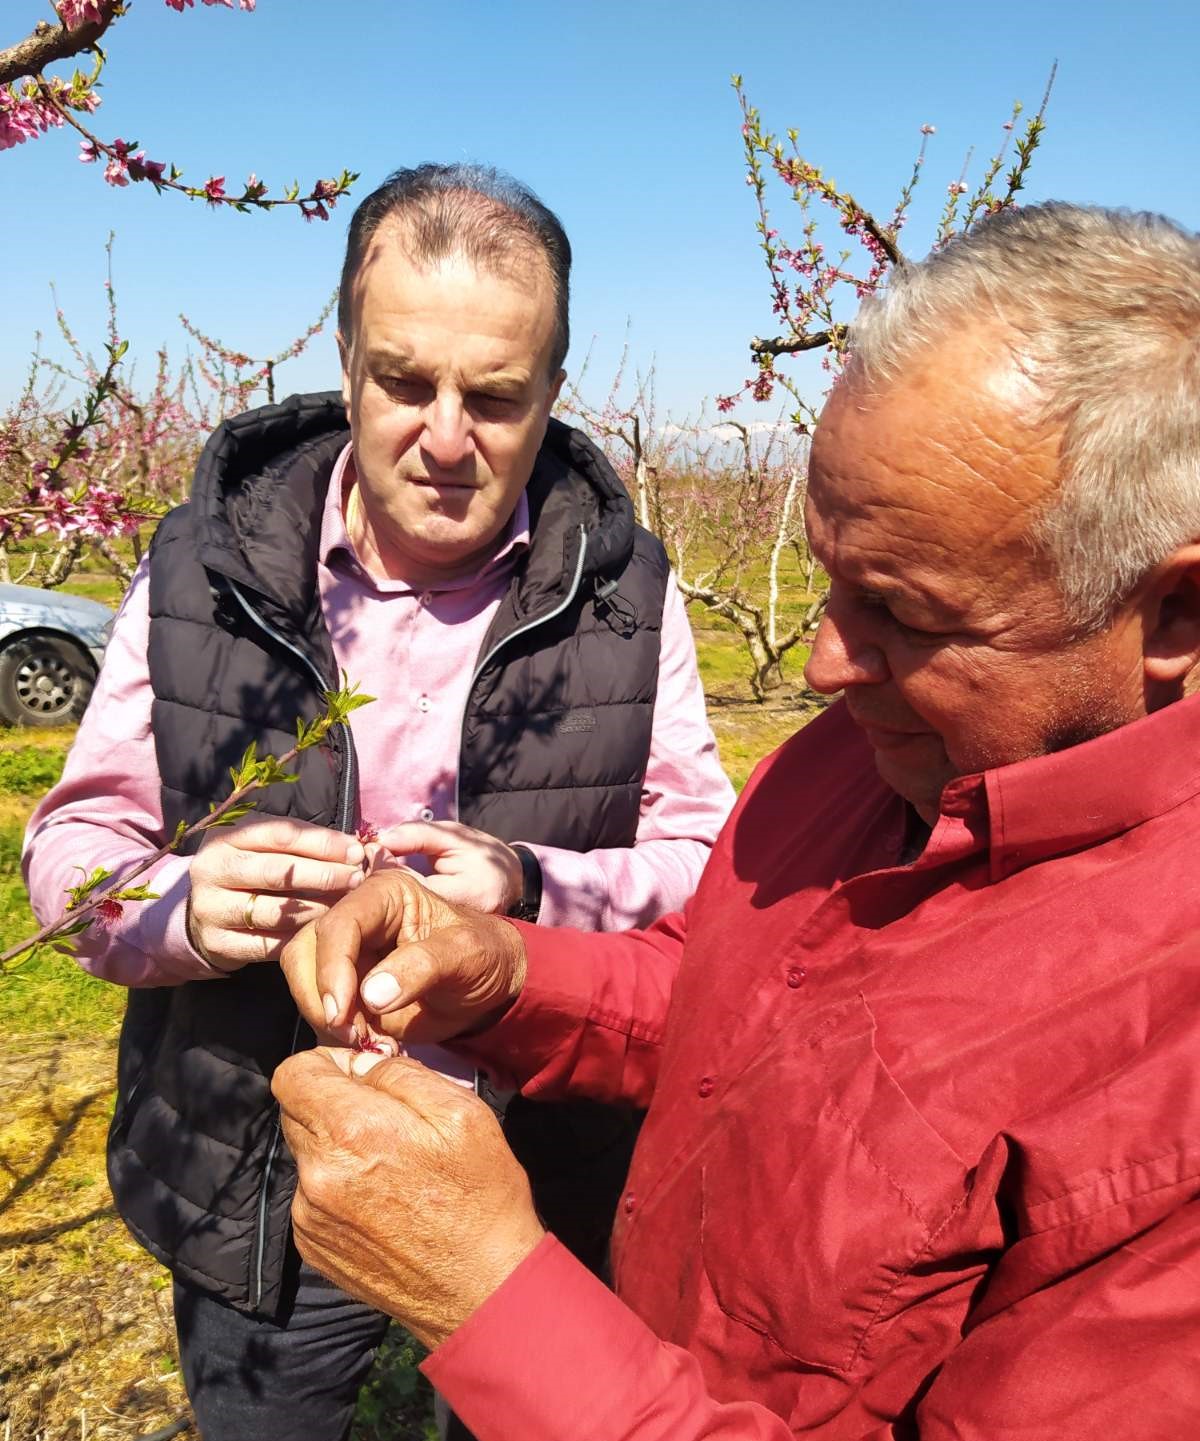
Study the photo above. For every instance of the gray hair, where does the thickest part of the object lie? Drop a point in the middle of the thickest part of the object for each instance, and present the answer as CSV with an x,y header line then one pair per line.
x,y
470,210
1108,305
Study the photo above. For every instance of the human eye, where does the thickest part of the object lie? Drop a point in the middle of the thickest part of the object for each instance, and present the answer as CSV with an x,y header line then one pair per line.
x,y
406,389
882,608
494,404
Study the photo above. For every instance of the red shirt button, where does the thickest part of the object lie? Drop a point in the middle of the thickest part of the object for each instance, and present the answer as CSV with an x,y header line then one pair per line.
x,y
795,977
705,1088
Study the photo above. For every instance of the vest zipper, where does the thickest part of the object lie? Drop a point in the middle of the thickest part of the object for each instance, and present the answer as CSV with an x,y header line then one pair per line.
x,y
349,777
350,770
500,644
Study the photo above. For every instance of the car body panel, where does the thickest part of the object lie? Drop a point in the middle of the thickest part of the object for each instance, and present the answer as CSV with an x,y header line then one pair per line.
x,y
25,609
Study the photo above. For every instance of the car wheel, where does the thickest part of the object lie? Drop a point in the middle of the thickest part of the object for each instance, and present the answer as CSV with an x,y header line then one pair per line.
x,y
44,681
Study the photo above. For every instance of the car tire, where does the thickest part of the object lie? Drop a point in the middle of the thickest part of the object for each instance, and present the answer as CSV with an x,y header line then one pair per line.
x,y
44,681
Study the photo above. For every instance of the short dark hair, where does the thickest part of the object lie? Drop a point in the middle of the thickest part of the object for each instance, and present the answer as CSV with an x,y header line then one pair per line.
x,y
471,210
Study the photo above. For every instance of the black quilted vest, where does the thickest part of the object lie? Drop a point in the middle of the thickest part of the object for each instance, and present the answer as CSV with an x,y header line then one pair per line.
x,y
554,747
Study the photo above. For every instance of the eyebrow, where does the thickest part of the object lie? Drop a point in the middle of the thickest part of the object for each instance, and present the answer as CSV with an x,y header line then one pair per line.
x,y
389,355
383,356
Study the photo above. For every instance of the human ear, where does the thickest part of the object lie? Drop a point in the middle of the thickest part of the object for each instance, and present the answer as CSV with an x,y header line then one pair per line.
x,y
343,346
1171,649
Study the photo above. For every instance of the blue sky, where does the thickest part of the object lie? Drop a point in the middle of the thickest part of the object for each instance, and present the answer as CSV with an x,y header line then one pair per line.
x,y
620,115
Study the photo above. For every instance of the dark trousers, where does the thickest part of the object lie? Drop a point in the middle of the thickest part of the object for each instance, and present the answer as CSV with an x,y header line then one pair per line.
x,y
250,1379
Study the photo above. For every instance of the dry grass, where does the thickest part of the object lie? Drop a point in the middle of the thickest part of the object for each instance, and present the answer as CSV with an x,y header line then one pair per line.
x,y
86,1336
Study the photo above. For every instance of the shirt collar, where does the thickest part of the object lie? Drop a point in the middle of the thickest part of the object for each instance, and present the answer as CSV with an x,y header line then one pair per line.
x,y
336,544
1052,804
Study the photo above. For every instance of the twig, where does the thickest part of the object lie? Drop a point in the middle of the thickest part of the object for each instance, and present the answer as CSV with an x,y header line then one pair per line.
x,y
49,43
254,774
793,345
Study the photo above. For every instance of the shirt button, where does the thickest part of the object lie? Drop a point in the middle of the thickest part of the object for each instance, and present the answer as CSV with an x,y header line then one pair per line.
x,y
705,1088
423,703
795,977
629,1203
425,813
426,597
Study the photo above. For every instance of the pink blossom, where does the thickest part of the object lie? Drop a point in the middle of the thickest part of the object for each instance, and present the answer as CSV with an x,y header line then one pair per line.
x,y
21,119
928,129
108,912
214,189
116,172
74,13
957,187
142,169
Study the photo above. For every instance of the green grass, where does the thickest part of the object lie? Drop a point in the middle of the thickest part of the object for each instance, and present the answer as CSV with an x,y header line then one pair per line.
x,y
46,991
101,586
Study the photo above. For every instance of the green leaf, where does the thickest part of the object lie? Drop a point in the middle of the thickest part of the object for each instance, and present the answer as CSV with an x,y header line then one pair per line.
x,y
80,893
243,774
135,893
234,813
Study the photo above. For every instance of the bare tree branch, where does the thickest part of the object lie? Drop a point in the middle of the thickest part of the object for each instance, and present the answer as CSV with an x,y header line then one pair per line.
x,y
49,43
793,345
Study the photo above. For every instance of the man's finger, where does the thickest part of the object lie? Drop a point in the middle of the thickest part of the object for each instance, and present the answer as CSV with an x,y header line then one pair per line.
x,y
362,927
427,1093
427,838
282,835
237,869
405,975
299,963
309,1086
246,948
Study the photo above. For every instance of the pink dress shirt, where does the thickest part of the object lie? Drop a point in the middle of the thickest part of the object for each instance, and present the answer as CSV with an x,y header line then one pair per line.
x,y
415,651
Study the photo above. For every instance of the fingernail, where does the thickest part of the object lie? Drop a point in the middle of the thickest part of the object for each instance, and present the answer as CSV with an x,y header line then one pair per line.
x,y
380,990
331,1008
356,879
365,1061
354,854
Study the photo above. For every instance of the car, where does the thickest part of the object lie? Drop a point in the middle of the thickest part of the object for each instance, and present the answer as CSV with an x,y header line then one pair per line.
x,y
51,646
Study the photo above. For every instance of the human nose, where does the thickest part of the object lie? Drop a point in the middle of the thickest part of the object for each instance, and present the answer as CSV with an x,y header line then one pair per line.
x,y
447,437
841,655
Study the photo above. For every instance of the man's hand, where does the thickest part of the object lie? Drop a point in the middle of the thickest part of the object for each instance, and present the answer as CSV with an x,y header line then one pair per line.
x,y
254,885
470,867
407,1197
422,968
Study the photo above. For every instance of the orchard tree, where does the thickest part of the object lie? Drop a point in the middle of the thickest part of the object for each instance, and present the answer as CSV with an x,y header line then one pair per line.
x,y
33,101
75,479
81,476
727,500
814,289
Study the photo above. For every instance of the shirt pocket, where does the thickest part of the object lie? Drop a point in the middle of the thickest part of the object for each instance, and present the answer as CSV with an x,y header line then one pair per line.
x,y
821,1191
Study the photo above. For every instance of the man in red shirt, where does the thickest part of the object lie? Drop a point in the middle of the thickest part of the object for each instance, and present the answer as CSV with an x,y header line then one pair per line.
x,y
922,1156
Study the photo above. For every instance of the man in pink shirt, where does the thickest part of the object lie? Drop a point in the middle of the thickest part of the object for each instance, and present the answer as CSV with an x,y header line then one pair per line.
x,y
921,1159
537,744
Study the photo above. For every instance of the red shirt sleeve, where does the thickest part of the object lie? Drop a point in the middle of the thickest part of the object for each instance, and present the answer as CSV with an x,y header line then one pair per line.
x,y
590,1019
554,1354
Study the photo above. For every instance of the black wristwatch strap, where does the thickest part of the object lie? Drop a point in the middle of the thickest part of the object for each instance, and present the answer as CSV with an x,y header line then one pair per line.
x,y
527,908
